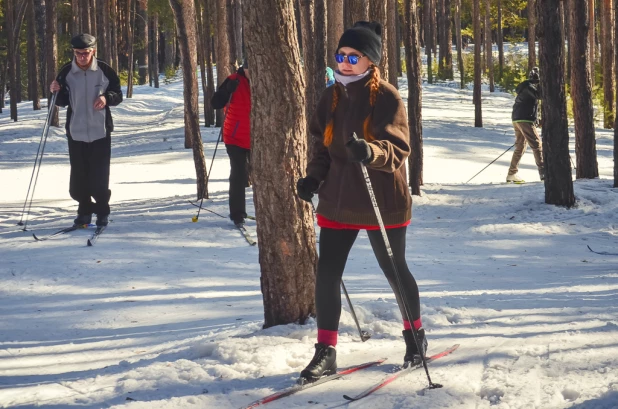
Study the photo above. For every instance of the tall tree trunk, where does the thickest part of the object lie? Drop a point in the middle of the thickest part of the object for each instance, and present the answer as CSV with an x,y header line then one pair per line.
x,y
440,28
356,10
377,11
103,48
84,8
209,117
591,43
616,117
222,48
489,46
445,68
238,34
434,27
460,62
3,75
558,181
581,91
130,46
76,18
307,27
141,33
113,18
566,23
11,58
478,110
18,69
335,28
201,57
608,64
184,15
51,23
415,96
429,38
231,30
500,42
393,43
93,17
531,34
287,239
33,66
39,6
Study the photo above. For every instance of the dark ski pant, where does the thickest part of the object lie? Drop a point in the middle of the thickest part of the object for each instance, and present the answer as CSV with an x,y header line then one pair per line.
x,y
239,180
334,247
90,162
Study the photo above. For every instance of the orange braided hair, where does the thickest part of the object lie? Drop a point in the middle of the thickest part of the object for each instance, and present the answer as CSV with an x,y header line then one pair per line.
x,y
374,88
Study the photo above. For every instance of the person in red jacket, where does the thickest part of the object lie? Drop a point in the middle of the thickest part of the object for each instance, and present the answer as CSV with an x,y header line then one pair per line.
x,y
235,93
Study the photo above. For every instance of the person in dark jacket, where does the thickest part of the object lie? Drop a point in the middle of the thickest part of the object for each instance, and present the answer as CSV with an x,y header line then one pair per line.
x,y
363,103
88,87
525,118
235,93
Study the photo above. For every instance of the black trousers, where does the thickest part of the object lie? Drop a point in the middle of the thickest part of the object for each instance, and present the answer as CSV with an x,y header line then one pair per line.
x,y
334,247
90,164
239,180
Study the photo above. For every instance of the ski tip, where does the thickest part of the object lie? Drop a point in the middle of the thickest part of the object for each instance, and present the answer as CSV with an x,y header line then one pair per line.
x,y
89,243
348,398
35,237
586,246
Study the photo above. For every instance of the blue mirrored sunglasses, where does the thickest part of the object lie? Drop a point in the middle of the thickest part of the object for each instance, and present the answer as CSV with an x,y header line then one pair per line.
x,y
352,59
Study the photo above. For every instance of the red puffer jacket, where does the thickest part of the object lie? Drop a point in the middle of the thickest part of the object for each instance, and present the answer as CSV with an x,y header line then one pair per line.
x,y
237,126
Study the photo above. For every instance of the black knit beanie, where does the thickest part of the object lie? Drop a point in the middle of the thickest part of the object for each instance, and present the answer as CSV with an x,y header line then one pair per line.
x,y
365,37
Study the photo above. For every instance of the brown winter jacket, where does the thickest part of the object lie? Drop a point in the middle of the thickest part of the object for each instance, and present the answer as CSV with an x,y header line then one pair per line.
x,y
343,195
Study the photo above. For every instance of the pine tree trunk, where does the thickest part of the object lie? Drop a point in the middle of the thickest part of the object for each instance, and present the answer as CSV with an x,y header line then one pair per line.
x,y
489,46
184,16
209,118
141,33
103,43
558,181
11,58
93,17
41,43
616,80
581,91
231,30
377,11
434,27
460,62
531,34
113,18
393,43
591,43
3,74
76,26
415,96
445,68
335,29
500,42
238,33
201,58
566,22
478,110
84,8
428,39
285,224
307,27
33,66
51,52
356,10
222,48
608,64
130,46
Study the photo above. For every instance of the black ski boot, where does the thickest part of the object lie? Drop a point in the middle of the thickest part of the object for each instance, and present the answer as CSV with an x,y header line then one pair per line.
x,y
82,219
413,356
324,363
102,221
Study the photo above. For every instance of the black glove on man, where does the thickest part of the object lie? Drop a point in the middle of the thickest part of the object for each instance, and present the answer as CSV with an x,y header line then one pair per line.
x,y
231,86
305,188
359,150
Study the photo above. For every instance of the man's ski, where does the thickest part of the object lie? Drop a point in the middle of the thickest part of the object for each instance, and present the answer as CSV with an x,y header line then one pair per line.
x,y
208,210
390,378
245,233
95,235
603,253
300,387
60,232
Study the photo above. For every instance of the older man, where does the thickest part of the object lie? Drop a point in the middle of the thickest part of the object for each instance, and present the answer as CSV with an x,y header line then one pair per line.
x,y
88,87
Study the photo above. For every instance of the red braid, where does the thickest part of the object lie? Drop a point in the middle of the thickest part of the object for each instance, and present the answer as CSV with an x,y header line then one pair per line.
x,y
328,132
374,89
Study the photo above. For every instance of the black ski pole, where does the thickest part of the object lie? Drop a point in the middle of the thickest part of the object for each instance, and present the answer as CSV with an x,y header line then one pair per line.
x,y
389,251
197,217
490,163
364,335
37,162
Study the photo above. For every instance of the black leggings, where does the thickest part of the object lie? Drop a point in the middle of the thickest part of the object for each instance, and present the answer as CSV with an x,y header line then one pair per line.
x,y
335,246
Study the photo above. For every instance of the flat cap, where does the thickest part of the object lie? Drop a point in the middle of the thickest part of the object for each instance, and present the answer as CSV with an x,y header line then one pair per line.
x,y
83,41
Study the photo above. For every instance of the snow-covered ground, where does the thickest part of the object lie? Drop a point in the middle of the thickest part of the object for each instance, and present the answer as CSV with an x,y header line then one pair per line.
x,y
166,313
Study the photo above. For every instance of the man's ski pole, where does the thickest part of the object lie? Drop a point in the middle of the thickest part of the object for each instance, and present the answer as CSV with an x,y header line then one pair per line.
x,y
490,164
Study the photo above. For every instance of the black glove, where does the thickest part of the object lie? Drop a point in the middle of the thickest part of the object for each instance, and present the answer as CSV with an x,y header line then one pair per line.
x,y
305,187
231,86
359,150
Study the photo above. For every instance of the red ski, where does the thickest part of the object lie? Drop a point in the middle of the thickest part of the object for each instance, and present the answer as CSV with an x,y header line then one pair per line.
x,y
301,387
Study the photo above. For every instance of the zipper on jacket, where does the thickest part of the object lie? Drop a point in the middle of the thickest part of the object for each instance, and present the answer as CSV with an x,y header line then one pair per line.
x,y
86,99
